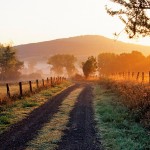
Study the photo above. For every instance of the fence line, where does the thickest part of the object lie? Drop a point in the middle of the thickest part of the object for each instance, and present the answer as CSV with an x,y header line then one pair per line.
x,y
142,77
44,83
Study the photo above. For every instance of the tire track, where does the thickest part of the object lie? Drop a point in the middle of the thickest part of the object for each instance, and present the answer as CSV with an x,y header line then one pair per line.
x,y
81,133
22,132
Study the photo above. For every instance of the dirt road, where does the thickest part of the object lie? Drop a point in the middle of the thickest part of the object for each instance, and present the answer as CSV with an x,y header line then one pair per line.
x,y
25,130
81,134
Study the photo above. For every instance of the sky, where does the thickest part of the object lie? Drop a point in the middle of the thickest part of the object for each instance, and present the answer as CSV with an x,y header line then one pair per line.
x,y
31,21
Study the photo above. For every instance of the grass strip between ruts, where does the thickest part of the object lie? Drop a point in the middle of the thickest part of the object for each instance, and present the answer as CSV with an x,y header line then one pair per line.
x,y
51,133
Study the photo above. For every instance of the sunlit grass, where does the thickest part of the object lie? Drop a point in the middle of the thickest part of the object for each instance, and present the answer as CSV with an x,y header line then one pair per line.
x,y
14,88
15,111
135,96
117,126
51,133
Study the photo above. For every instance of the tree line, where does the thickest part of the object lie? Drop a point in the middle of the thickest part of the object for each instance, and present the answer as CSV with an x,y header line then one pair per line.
x,y
134,61
108,63
105,63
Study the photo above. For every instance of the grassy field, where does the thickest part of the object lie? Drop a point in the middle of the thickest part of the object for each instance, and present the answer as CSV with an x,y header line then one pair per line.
x,y
135,96
15,111
116,124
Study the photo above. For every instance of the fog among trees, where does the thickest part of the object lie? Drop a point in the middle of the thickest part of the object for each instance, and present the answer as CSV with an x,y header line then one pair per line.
x,y
62,62
134,61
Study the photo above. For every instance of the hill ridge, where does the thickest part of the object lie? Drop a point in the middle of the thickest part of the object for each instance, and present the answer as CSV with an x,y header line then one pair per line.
x,y
84,45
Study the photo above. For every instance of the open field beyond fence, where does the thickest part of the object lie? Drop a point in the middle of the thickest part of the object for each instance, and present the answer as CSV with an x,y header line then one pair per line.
x,y
140,77
17,90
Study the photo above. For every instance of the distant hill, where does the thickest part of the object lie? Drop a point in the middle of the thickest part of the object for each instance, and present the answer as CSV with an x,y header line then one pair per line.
x,y
80,46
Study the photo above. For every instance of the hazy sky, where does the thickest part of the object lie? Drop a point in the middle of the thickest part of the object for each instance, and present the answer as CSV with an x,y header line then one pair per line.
x,y
27,21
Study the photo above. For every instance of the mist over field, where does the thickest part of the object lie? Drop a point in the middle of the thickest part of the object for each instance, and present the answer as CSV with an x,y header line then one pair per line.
x,y
35,55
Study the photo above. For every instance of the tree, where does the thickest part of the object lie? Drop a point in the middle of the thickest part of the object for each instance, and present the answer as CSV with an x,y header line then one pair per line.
x,y
111,63
133,13
89,67
9,64
61,61
106,62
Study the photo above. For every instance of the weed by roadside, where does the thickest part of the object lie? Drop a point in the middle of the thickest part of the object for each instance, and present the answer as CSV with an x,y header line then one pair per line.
x,y
116,124
135,96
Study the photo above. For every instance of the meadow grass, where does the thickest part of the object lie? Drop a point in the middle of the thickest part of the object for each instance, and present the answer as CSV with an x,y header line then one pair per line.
x,y
135,96
116,124
15,111
51,133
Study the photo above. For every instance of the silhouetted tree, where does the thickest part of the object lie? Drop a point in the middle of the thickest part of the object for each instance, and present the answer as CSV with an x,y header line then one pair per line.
x,y
133,13
9,64
89,67
61,61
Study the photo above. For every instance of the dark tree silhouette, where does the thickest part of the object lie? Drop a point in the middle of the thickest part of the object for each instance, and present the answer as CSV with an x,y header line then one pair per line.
x,y
90,66
134,14
9,64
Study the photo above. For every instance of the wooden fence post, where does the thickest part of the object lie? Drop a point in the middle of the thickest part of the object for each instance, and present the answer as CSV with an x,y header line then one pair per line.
x,y
43,82
51,81
137,77
30,86
37,84
20,89
8,91
142,76
149,77
132,74
47,81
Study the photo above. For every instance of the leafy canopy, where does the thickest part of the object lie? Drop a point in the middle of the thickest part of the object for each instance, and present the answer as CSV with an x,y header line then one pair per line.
x,y
61,61
9,64
89,67
134,62
134,14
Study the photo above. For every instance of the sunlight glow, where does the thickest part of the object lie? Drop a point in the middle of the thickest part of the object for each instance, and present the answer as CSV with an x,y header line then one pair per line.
x,y
28,21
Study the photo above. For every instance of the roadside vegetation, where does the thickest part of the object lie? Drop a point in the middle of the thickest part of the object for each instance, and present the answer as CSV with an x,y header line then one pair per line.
x,y
15,111
117,123
135,96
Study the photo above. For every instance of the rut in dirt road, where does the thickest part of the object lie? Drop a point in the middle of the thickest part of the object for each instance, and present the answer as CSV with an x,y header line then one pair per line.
x,y
25,130
81,133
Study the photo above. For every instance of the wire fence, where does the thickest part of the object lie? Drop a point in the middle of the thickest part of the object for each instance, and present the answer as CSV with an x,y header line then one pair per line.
x,y
140,77
19,89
